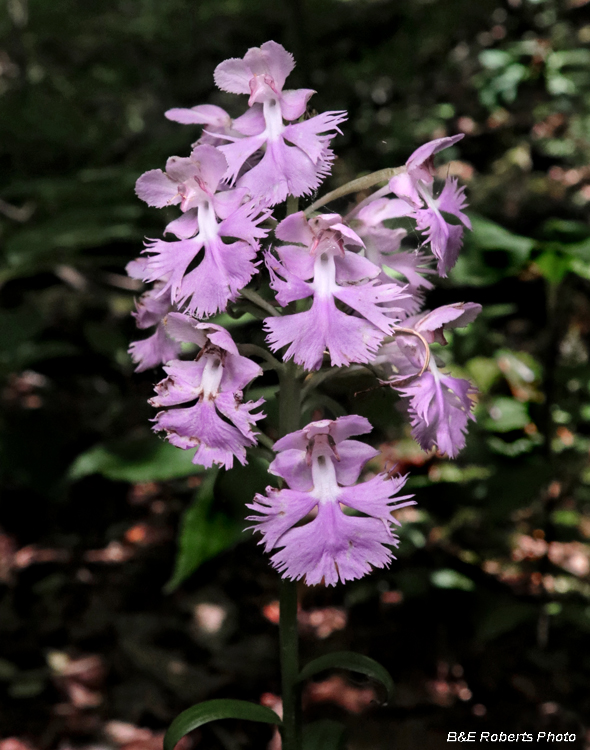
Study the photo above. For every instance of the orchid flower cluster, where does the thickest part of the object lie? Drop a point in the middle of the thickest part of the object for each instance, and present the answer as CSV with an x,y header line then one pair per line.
x,y
348,292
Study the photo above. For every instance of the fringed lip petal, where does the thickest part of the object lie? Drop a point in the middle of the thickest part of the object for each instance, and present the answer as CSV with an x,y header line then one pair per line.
x,y
332,546
308,334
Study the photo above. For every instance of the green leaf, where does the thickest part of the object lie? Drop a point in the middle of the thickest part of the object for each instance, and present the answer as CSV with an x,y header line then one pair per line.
x,y
323,735
495,59
566,517
503,618
488,235
485,372
203,534
506,414
554,266
580,267
222,708
352,661
491,252
143,459
450,579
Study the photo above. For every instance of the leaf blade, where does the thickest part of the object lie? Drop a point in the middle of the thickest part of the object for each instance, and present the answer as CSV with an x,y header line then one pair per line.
x,y
203,534
353,662
220,708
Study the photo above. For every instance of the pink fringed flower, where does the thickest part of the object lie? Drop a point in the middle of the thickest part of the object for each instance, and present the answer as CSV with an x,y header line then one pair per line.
x,y
321,465
415,186
151,309
224,268
219,424
382,247
296,157
326,270
440,406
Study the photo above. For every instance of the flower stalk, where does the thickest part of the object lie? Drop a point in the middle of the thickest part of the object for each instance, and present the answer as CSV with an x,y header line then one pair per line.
x,y
289,414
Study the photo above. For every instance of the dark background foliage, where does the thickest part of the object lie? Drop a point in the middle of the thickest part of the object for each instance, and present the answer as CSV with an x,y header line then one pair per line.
x,y
484,619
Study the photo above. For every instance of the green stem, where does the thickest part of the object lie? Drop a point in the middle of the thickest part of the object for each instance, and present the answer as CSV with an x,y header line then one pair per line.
x,y
289,665
355,186
253,350
289,414
289,399
265,440
259,301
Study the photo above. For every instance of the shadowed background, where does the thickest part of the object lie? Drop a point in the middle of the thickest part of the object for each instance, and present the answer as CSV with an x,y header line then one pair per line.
x,y
109,625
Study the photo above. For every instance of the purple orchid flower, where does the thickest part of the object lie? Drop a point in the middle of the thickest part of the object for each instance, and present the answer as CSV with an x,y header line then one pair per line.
x,y
440,406
382,247
415,186
325,269
219,424
225,268
321,465
295,169
151,309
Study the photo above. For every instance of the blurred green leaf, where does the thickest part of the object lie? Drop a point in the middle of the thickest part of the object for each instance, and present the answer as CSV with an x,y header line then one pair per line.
x,y
487,235
451,579
70,231
514,448
495,59
484,371
553,265
323,735
137,459
506,414
504,618
204,533
18,326
8,670
222,708
491,253
565,517
448,471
